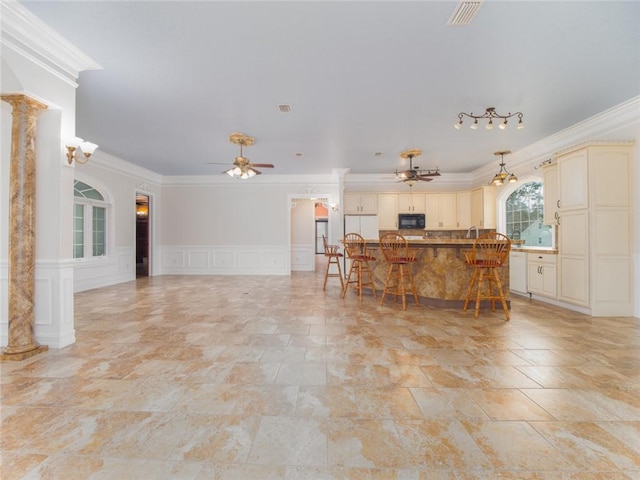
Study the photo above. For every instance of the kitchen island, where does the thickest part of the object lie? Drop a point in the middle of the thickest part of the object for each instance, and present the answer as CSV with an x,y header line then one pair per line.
x,y
440,273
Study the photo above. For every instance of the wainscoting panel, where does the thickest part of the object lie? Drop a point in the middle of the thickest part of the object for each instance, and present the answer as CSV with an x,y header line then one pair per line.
x,y
302,258
223,260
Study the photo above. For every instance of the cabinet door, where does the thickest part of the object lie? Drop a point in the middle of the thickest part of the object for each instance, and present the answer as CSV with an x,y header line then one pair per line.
x,y
388,211
463,207
351,204
447,215
483,207
534,277
369,203
549,280
477,208
411,203
431,211
551,199
573,180
361,203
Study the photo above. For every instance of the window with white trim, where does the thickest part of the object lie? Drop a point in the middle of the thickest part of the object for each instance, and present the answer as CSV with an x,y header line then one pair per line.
x,y
89,222
524,210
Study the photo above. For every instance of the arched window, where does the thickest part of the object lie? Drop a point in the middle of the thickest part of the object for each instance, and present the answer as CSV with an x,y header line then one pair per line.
x,y
89,222
524,216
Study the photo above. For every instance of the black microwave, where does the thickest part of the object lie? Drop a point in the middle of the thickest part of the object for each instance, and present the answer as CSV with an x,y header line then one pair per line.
x,y
411,220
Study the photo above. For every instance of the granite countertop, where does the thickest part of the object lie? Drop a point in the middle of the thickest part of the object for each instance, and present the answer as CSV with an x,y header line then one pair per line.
x,y
533,249
417,240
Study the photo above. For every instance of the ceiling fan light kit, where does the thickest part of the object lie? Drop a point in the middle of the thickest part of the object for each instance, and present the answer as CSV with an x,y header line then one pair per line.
x,y
414,174
242,167
490,114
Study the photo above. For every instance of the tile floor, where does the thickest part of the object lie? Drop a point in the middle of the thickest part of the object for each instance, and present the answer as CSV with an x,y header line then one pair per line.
x,y
198,377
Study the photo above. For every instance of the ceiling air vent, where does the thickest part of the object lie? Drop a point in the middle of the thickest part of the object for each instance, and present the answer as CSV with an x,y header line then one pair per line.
x,y
284,108
464,12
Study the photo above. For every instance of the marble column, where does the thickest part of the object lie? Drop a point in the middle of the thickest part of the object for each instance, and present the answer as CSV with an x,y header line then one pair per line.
x,y
22,244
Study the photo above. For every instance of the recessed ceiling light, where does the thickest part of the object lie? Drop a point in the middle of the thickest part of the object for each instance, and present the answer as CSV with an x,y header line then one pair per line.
x,y
284,108
299,154
377,154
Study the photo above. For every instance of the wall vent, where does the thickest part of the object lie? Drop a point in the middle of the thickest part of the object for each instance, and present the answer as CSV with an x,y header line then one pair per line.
x,y
464,12
284,108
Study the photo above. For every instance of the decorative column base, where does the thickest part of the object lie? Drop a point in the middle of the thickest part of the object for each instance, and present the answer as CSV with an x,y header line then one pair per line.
x,y
7,354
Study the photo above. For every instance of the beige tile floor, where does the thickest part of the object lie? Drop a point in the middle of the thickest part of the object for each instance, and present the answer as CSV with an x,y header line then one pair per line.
x,y
199,377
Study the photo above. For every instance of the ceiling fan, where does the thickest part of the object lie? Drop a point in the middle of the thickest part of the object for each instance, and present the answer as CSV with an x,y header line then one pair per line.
x,y
414,174
242,167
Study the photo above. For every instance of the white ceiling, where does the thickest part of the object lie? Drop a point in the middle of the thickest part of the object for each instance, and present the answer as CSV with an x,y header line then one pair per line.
x,y
361,78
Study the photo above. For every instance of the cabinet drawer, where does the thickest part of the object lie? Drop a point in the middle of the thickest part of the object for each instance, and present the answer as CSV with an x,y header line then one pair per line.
x,y
550,258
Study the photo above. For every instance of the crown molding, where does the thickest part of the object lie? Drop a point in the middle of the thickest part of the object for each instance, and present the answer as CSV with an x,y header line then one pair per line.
x,y
28,36
378,182
264,180
118,165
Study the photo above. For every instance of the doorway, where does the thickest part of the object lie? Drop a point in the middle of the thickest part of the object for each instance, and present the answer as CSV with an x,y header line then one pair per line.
x,y
142,235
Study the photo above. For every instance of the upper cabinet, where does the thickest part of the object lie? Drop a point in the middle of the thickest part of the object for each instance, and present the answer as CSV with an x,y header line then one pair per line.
x,y
573,180
441,212
361,204
483,207
463,206
411,203
551,198
388,211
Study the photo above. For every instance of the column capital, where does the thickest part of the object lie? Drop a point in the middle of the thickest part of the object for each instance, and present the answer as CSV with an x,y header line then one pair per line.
x,y
20,101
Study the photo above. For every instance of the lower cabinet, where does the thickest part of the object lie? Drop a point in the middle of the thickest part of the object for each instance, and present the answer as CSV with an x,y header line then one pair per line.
x,y
542,274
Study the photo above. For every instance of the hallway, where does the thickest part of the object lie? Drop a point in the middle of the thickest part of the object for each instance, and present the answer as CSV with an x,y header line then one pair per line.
x,y
269,377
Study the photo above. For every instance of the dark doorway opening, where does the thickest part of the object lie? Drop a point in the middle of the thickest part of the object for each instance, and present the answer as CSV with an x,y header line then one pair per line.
x,y
142,235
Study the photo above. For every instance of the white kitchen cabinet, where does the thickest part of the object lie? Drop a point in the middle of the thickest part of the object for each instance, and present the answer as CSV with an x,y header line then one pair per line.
x,y
483,207
463,207
573,180
411,203
388,211
551,198
441,212
360,204
542,274
594,227
518,272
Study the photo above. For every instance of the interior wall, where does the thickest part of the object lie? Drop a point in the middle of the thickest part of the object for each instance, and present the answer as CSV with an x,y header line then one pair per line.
x,y
223,215
302,223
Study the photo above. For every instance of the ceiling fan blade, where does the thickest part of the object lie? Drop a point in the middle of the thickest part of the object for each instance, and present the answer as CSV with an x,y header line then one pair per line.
x,y
423,179
218,163
261,165
258,172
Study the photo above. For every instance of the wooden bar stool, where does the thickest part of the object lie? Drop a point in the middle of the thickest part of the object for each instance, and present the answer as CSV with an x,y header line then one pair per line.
x,y
395,249
360,256
332,252
490,251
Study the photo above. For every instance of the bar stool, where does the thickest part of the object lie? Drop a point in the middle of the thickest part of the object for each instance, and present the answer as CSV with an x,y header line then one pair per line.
x,y
490,251
395,249
360,256
332,252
